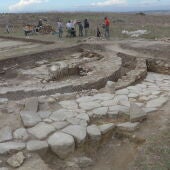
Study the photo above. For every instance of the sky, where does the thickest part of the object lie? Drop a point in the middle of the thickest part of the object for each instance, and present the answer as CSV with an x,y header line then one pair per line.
x,y
14,6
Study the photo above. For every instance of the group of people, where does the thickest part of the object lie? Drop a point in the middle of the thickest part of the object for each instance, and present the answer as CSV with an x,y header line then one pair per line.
x,y
83,28
71,28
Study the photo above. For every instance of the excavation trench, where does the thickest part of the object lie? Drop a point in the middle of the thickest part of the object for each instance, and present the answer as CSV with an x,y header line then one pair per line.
x,y
102,68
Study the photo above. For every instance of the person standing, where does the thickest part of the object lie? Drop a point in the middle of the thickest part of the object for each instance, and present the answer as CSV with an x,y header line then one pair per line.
x,y
107,27
60,29
80,29
86,27
68,27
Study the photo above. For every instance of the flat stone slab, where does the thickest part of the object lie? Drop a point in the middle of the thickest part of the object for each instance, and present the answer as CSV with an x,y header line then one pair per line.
x,y
60,125
99,112
21,134
62,115
120,109
150,109
157,102
44,114
105,128
4,168
36,145
77,131
76,121
109,103
29,118
122,92
89,105
83,116
61,144
11,146
93,132
128,126
41,130
136,113
103,96
31,104
5,134
69,104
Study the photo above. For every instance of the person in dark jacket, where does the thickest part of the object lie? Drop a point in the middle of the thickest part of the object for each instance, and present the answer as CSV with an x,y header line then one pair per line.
x,y
80,25
86,27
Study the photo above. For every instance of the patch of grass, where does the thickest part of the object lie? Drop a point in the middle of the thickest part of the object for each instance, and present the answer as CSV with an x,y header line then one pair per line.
x,y
155,155
158,26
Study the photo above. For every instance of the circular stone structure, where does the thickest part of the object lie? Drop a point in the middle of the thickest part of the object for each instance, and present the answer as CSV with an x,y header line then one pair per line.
x,y
79,71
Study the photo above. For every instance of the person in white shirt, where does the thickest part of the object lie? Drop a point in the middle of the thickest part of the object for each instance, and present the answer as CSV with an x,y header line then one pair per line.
x,y
60,29
68,27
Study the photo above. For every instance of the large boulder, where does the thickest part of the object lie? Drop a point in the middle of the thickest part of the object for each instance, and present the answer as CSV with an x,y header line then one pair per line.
x,y
61,144
41,130
36,145
77,131
93,132
21,134
30,118
136,113
105,128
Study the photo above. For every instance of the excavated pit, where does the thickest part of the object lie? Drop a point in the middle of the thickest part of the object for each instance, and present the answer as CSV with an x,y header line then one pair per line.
x,y
62,71
82,67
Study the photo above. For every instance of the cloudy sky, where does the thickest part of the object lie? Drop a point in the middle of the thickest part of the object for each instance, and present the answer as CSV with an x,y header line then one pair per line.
x,y
82,5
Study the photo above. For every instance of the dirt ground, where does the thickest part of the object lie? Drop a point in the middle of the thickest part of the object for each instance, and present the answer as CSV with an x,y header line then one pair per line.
x,y
117,152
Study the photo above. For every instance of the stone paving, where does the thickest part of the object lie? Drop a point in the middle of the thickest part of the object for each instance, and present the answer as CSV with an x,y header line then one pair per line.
x,y
72,124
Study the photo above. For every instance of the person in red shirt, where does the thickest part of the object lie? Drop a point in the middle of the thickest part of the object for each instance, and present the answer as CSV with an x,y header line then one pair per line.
x,y
107,27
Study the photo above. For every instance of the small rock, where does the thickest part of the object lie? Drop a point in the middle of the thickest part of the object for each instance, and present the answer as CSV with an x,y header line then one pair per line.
x,y
16,160
105,128
94,132
36,145
21,134
31,104
128,126
11,146
51,100
61,144
5,134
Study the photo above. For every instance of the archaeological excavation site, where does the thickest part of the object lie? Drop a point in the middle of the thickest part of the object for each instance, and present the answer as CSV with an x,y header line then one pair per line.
x,y
91,105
